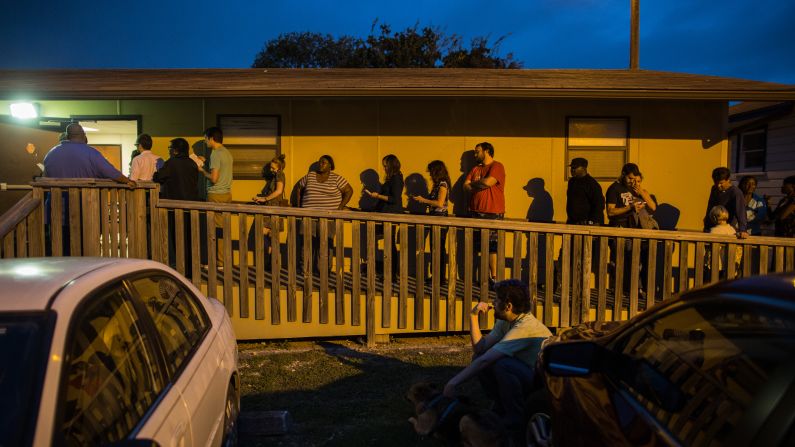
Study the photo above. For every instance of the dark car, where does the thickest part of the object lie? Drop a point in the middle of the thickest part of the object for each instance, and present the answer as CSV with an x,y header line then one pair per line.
x,y
715,366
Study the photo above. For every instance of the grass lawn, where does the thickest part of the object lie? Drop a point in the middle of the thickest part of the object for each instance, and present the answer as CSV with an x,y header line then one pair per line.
x,y
341,393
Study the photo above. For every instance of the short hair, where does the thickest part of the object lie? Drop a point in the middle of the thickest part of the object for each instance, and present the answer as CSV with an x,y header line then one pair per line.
x,y
392,165
718,213
789,180
721,173
179,146
75,132
329,160
515,292
144,140
630,168
486,146
214,133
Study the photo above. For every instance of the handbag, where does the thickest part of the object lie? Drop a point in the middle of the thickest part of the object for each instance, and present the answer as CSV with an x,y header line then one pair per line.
x,y
642,219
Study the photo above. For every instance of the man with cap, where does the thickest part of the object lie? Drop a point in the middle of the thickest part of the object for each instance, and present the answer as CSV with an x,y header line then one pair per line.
x,y
146,163
74,158
585,203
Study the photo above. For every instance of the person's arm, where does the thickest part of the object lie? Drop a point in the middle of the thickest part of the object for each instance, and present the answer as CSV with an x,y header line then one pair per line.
x,y
480,343
347,193
438,203
712,199
784,210
739,211
277,192
597,204
212,175
163,174
650,204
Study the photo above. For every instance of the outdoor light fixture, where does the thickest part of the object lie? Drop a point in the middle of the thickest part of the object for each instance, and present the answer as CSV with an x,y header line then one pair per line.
x,y
24,110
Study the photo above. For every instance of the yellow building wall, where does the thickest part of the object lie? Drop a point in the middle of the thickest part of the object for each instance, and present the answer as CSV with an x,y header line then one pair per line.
x,y
675,143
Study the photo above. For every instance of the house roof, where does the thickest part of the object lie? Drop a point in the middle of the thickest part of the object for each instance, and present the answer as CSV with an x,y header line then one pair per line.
x,y
753,113
207,83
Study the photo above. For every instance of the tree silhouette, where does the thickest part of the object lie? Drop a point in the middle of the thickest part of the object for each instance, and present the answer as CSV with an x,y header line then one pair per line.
x,y
414,47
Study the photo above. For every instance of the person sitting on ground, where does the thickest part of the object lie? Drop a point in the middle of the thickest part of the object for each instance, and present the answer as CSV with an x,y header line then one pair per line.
x,y
505,359
146,163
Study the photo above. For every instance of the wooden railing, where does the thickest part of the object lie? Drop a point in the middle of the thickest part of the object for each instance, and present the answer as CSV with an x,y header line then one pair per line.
x,y
19,228
570,270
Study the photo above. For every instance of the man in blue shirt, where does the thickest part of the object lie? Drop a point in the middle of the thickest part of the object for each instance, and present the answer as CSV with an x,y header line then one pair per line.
x,y
74,158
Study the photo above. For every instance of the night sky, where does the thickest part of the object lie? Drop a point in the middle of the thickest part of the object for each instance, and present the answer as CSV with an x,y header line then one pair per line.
x,y
753,39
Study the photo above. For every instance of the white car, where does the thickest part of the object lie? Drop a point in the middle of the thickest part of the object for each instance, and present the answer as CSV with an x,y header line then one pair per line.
x,y
98,351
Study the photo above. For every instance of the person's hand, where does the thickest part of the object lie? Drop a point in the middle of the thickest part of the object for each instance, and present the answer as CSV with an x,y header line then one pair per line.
x,y
258,199
416,198
742,235
372,194
450,390
481,307
131,183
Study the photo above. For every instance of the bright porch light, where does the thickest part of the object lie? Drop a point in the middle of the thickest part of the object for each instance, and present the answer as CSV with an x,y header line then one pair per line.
x,y
23,110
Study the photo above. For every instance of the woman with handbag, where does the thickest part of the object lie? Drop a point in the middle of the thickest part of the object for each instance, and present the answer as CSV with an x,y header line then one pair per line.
x,y
272,194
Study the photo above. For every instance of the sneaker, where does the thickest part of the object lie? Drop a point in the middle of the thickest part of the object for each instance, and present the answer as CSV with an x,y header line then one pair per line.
x,y
492,283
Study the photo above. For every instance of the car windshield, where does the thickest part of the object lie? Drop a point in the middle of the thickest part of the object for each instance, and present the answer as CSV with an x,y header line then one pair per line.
x,y
23,357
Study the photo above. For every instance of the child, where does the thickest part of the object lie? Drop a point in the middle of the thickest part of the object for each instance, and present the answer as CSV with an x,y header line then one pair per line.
x,y
719,215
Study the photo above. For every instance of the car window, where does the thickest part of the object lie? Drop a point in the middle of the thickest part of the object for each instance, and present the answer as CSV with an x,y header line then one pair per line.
x,y
24,349
112,377
177,314
698,369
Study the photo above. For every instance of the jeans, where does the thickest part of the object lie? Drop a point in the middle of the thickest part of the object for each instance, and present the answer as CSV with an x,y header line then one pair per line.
x,y
508,382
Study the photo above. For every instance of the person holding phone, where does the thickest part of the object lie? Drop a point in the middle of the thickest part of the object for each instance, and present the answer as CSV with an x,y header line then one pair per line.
x,y
437,203
389,198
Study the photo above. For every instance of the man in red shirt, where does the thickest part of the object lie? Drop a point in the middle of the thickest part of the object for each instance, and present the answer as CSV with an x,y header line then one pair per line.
x,y
486,185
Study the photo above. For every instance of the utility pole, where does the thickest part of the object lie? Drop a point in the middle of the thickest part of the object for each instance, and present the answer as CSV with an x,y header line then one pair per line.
x,y
634,35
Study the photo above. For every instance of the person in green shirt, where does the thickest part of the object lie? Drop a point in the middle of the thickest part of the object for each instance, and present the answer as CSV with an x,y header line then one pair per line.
x,y
504,359
220,176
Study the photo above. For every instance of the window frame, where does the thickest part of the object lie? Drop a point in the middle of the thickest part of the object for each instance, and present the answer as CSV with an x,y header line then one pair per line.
x,y
624,150
173,373
237,147
740,153
146,329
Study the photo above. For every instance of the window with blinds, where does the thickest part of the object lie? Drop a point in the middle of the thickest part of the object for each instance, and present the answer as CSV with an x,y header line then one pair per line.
x,y
602,141
253,141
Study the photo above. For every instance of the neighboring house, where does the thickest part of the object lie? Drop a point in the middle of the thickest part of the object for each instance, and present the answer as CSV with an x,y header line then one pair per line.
x,y
672,124
762,141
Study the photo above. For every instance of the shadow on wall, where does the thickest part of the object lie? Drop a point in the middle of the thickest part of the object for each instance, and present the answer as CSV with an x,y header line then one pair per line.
x,y
369,180
667,216
416,185
458,196
542,208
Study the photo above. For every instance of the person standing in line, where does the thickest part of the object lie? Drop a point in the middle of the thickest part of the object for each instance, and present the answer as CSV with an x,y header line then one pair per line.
x,y
143,167
389,200
437,202
178,178
74,158
730,197
486,185
784,215
220,176
585,203
755,205
322,189
272,194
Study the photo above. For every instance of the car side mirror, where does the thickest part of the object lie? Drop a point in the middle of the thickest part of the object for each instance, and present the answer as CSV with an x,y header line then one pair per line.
x,y
571,359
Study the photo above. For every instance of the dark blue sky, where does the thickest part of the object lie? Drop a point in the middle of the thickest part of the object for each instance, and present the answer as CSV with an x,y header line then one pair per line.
x,y
752,39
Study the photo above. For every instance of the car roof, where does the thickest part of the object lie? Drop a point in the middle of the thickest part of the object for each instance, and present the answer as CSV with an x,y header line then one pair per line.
x,y
779,286
28,284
